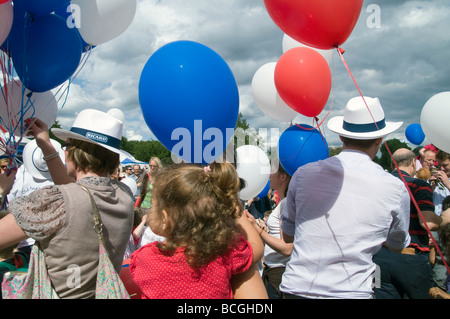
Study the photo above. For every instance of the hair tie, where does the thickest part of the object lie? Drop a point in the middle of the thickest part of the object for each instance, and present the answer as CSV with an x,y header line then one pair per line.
x,y
206,169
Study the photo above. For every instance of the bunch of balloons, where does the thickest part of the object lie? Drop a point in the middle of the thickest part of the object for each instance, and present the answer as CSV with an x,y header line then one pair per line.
x,y
300,81
42,46
301,78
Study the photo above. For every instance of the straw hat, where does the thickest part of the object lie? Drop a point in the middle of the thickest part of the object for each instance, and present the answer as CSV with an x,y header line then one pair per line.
x,y
95,127
359,123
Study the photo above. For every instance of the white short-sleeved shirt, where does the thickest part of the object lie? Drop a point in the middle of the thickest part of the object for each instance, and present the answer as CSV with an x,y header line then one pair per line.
x,y
273,258
340,211
439,194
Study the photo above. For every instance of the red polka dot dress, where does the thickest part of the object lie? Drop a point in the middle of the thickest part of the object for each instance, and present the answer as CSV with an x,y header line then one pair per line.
x,y
163,276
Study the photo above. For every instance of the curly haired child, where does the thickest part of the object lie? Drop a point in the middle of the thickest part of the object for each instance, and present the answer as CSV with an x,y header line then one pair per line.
x,y
197,209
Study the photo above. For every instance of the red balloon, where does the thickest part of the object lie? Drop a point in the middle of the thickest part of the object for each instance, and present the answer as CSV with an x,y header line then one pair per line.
x,y
322,24
303,80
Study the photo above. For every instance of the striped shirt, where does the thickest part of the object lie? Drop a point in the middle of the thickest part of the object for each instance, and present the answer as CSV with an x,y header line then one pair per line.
x,y
423,194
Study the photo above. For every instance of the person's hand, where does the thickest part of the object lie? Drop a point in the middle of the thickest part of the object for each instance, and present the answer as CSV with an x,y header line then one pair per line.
x,y
7,181
438,293
39,130
443,178
258,224
250,217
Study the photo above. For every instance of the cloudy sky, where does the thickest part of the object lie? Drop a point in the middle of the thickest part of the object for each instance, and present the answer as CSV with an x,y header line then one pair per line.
x,y
403,59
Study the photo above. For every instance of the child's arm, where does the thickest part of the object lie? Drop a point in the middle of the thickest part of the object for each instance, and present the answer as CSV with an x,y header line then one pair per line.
x,y
277,244
137,233
251,235
248,285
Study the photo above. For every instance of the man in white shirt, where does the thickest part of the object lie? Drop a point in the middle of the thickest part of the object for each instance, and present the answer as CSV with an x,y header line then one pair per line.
x,y
341,210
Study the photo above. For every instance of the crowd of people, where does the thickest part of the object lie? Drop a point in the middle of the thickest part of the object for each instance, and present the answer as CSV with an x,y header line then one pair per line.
x,y
338,228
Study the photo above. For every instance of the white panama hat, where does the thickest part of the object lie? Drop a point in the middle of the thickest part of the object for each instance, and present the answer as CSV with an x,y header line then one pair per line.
x,y
33,159
360,123
95,127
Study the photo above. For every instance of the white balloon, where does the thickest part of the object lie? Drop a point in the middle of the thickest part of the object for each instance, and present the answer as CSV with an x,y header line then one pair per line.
x,y
41,105
118,114
102,20
290,43
131,183
266,96
434,120
253,166
6,20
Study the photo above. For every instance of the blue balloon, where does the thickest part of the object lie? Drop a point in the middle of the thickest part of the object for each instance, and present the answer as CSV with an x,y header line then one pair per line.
x,y
414,134
66,13
41,7
299,145
190,100
265,191
44,50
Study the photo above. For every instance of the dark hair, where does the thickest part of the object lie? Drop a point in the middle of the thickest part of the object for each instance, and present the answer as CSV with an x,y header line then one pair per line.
x,y
364,144
442,156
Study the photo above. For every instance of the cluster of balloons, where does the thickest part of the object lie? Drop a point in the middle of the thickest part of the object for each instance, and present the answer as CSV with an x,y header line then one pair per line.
x,y
46,37
190,100
433,123
300,81
42,44
301,78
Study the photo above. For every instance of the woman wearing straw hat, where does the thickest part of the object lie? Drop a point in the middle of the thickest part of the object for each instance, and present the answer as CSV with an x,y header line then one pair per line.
x,y
60,217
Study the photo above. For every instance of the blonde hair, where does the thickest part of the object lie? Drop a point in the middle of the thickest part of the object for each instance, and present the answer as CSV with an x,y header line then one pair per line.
x,y
157,160
202,204
423,173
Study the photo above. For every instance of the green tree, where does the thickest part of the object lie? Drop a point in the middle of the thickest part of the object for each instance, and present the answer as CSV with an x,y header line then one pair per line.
x,y
144,150
52,136
393,145
335,150
242,122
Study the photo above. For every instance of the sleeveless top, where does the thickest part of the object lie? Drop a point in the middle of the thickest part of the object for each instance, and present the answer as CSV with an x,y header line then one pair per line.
x,y
60,218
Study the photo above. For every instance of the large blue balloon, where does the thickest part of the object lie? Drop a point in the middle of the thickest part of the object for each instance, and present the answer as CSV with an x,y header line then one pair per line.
x,y
44,50
66,13
190,100
414,134
41,7
299,145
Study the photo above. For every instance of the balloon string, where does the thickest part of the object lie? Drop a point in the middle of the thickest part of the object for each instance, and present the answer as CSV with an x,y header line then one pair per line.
x,y
341,52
